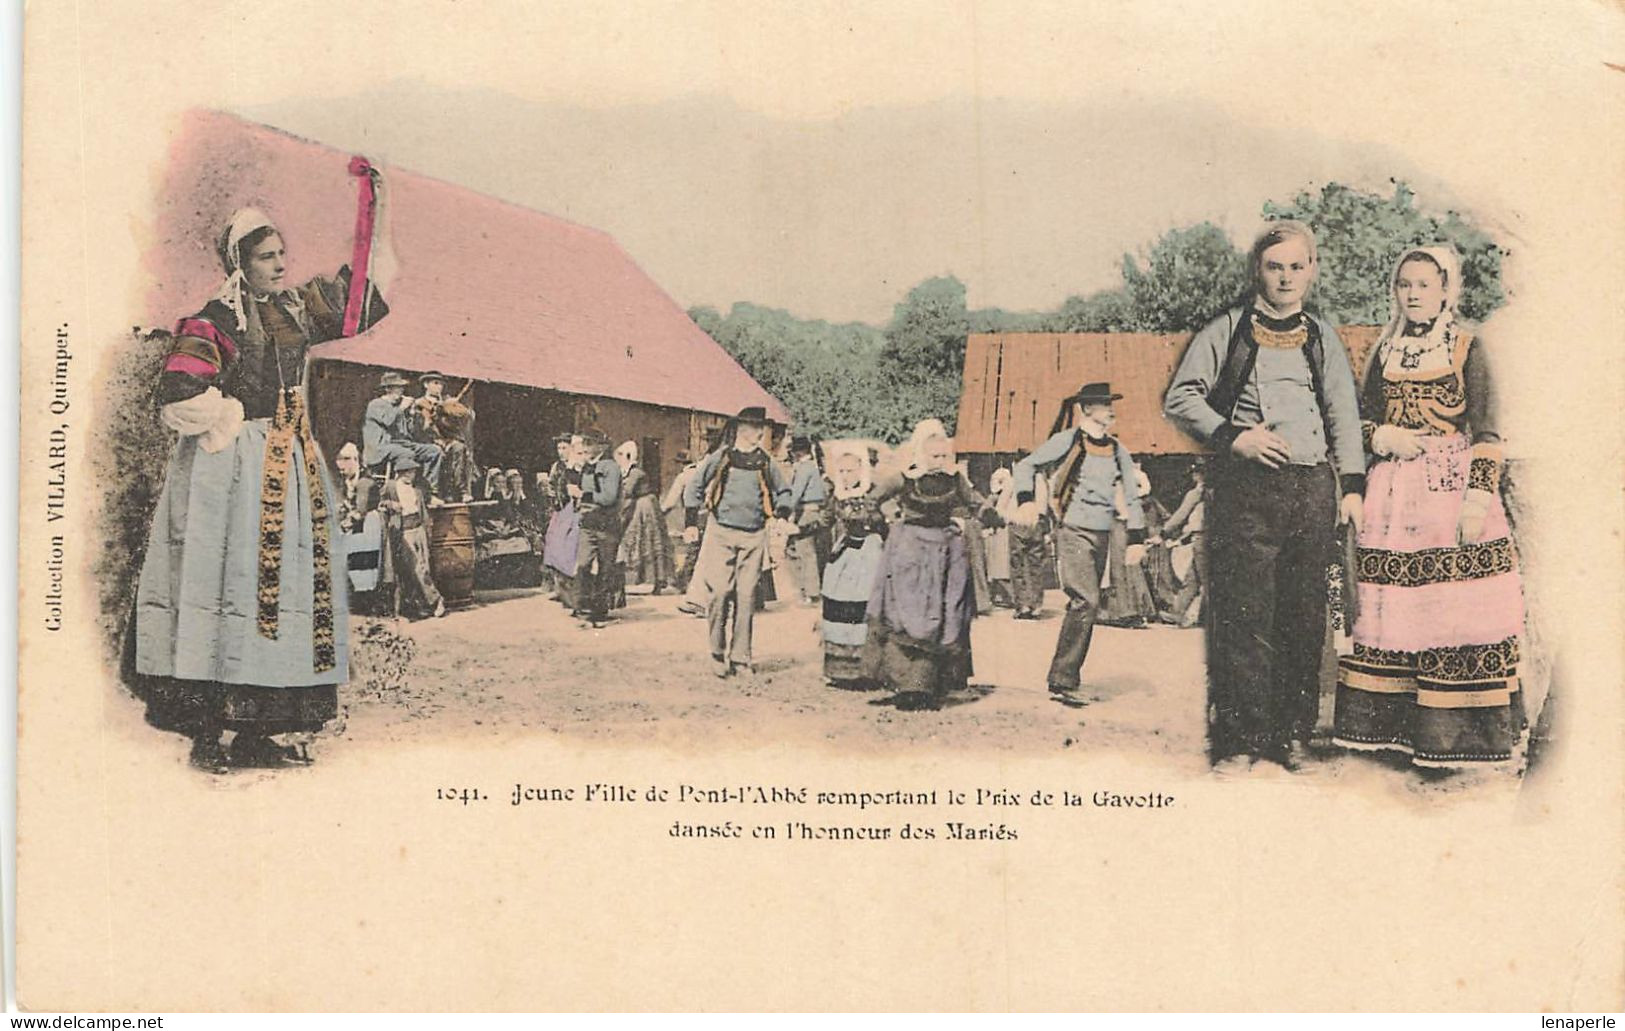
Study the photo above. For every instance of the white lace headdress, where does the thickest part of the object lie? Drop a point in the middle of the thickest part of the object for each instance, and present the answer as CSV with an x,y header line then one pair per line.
x,y
234,292
1432,348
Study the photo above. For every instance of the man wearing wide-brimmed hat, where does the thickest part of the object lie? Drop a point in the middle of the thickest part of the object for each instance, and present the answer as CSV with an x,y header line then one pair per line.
x,y
386,432
1090,468
741,488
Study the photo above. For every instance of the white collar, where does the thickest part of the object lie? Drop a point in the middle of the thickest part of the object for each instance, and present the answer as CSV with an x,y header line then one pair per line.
x,y
1269,310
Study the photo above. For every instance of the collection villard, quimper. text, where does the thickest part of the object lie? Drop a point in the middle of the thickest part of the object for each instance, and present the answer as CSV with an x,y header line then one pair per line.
x,y
56,480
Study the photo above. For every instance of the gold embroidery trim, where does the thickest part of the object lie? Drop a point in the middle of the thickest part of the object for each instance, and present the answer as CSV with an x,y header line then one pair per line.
x,y
1437,565
1424,404
1484,471
1469,662
1288,339
291,423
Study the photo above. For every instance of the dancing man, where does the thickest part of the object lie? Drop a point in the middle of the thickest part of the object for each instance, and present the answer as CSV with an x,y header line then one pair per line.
x,y
1091,468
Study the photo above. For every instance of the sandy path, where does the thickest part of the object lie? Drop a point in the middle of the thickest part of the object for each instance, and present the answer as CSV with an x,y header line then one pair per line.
x,y
516,661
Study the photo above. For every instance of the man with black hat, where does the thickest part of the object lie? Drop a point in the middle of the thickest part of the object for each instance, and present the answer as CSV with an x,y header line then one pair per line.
x,y
741,488
1090,468
1267,385
599,496
804,551
386,432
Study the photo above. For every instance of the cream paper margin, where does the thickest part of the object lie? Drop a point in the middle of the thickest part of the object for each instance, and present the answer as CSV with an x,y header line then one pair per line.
x,y
143,885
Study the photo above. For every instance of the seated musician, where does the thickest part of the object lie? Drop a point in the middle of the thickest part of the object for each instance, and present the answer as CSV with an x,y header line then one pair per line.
x,y
386,433
448,424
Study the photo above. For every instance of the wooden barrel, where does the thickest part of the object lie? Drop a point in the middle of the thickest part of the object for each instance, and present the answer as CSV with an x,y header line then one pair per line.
x,y
451,552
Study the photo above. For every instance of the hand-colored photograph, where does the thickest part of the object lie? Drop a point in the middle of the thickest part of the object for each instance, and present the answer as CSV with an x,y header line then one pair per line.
x,y
987,505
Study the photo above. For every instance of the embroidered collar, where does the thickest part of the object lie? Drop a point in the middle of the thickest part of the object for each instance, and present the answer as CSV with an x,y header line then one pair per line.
x,y
1284,334
1422,345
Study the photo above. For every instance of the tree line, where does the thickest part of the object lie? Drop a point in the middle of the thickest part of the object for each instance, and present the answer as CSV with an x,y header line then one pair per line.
x,y
845,379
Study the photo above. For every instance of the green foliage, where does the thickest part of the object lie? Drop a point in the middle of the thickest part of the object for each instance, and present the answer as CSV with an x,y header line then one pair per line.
x,y
1360,237
856,380
826,374
928,327
1189,274
1104,311
997,320
924,353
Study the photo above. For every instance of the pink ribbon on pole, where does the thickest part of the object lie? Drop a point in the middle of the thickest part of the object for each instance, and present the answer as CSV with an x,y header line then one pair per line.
x,y
361,256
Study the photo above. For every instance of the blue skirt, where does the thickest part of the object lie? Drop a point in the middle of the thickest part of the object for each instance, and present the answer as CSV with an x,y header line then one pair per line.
x,y
849,579
196,614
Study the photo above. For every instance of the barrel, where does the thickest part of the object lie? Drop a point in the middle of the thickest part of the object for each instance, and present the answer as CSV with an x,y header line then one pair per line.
x,y
451,552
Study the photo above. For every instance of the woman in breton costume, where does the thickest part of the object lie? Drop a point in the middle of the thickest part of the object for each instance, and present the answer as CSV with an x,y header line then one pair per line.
x,y
1126,601
527,509
561,545
857,540
1001,491
919,614
645,547
1030,555
241,618
1436,644
1158,565
494,486
976,547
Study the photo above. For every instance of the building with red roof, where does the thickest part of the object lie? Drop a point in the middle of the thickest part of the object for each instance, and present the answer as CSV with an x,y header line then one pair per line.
x,y
555,325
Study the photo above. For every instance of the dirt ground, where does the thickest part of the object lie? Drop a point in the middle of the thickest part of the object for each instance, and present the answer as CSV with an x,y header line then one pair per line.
x,y
517,661
517,658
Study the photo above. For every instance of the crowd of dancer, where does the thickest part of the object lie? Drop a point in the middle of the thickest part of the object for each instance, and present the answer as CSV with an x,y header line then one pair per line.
x,y
904,560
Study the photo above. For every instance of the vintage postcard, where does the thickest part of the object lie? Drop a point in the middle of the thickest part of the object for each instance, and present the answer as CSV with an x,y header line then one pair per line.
x,y
925,506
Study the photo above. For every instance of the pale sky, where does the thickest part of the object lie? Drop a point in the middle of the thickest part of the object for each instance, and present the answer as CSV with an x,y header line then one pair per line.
x,y
1027,202
824,157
